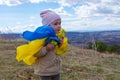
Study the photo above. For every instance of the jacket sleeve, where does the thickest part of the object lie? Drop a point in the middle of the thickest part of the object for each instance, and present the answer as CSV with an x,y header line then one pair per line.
x,y
41,53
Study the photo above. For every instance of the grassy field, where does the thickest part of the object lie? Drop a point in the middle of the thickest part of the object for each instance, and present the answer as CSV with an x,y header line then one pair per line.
x,y
78,64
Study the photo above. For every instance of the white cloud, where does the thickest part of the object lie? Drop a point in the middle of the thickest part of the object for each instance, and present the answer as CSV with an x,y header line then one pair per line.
x,y
1,2
98,9
35,1
61,11
18,29
11,2
84,11
17,2
83,7
88,14
64,3
61,2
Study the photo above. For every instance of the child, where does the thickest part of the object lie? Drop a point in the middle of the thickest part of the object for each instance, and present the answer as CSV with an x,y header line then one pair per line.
x,y
49,64
45,45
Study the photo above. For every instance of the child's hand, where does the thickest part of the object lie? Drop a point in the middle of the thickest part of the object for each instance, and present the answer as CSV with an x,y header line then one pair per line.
x,y
61,41
50,47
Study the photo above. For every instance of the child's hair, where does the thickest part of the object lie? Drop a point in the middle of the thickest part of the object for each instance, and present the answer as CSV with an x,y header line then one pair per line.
x,y
48,17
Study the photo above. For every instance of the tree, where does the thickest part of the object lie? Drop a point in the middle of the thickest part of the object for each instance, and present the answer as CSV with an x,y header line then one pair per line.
x,y
113,48
100,46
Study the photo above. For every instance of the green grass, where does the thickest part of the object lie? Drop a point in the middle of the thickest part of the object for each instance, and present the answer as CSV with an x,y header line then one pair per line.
x,y
78,64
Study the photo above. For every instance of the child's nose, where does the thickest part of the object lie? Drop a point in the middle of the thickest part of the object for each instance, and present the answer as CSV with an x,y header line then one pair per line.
x,y
59,26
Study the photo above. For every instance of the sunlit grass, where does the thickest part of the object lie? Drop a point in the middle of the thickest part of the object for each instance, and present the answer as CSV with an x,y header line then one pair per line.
x,y
78,64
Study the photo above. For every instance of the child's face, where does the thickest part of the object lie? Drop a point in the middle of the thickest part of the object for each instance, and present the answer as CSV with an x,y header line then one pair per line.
x,y
56,25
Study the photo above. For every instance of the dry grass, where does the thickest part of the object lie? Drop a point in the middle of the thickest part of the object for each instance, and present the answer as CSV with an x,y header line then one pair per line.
x,y
78,64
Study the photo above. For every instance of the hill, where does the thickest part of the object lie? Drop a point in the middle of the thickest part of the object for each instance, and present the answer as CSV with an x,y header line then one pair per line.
x,y
80,39
78,64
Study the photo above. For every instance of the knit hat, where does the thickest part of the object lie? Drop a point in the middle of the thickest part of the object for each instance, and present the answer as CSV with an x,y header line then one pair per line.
x,y
48,17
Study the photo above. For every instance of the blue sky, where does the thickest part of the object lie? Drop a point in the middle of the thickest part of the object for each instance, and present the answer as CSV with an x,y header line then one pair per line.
x,y
77,15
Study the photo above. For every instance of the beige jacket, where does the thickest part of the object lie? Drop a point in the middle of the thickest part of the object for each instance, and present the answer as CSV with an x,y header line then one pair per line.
x,y
48,63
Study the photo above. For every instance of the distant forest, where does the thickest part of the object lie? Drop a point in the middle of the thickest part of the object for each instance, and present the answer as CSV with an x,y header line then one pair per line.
x,y
80,39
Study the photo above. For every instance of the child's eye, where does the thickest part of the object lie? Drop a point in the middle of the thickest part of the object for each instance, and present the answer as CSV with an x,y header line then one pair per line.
x,y
57,24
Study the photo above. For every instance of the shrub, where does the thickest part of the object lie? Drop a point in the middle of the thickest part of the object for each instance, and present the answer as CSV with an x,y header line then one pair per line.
x,y
100,46
113,48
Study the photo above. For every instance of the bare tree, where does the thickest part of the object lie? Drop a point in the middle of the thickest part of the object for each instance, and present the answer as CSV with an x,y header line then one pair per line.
x,y
94,47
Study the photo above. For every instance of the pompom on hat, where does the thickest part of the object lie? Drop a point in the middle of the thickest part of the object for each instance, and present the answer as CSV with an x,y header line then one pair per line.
x,y
48,17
